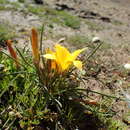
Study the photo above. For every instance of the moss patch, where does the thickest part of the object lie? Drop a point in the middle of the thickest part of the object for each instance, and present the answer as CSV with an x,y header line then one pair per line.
x,y
78,40
6,32
53,16
3,1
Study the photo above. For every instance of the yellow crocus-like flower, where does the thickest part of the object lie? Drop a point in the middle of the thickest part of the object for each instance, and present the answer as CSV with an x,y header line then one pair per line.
x,y
62,59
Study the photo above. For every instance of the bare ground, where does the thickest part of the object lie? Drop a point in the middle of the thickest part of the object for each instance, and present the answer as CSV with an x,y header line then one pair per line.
x,y
112,18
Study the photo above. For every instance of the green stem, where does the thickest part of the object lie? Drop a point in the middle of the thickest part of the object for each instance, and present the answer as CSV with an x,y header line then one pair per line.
x,y
14,73
10,124
13,59
88,90
93,52
41,38
23,57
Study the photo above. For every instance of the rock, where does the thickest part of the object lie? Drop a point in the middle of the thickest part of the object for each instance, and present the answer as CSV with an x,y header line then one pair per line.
x,y
39,1
89,14
105,19
63,7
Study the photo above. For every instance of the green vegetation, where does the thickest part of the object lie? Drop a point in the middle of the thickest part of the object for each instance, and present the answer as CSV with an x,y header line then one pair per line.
x,y
116,125
15,5
6,5
22,1
6,32
36,10
78,40
3,1
116,22
34,96
93,26
105,46
3,8
48,14
54,16
69,20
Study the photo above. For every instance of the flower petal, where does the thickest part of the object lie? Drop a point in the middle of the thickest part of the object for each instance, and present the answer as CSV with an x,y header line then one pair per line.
x,y
53,65
49,51
62,55
49,56
78,64
76,53
61,52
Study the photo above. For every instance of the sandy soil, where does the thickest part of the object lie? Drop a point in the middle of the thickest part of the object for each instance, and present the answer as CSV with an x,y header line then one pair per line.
x,y
112,15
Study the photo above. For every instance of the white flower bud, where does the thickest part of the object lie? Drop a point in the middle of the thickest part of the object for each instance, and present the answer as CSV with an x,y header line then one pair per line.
x,y
96,39
11,113
10,107
127,66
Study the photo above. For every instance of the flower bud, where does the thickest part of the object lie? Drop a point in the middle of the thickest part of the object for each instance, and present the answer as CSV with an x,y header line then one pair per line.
x,y
11,113
96,39
127,66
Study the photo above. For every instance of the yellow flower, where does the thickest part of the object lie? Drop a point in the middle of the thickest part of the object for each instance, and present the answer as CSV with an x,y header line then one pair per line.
x,y
62,59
